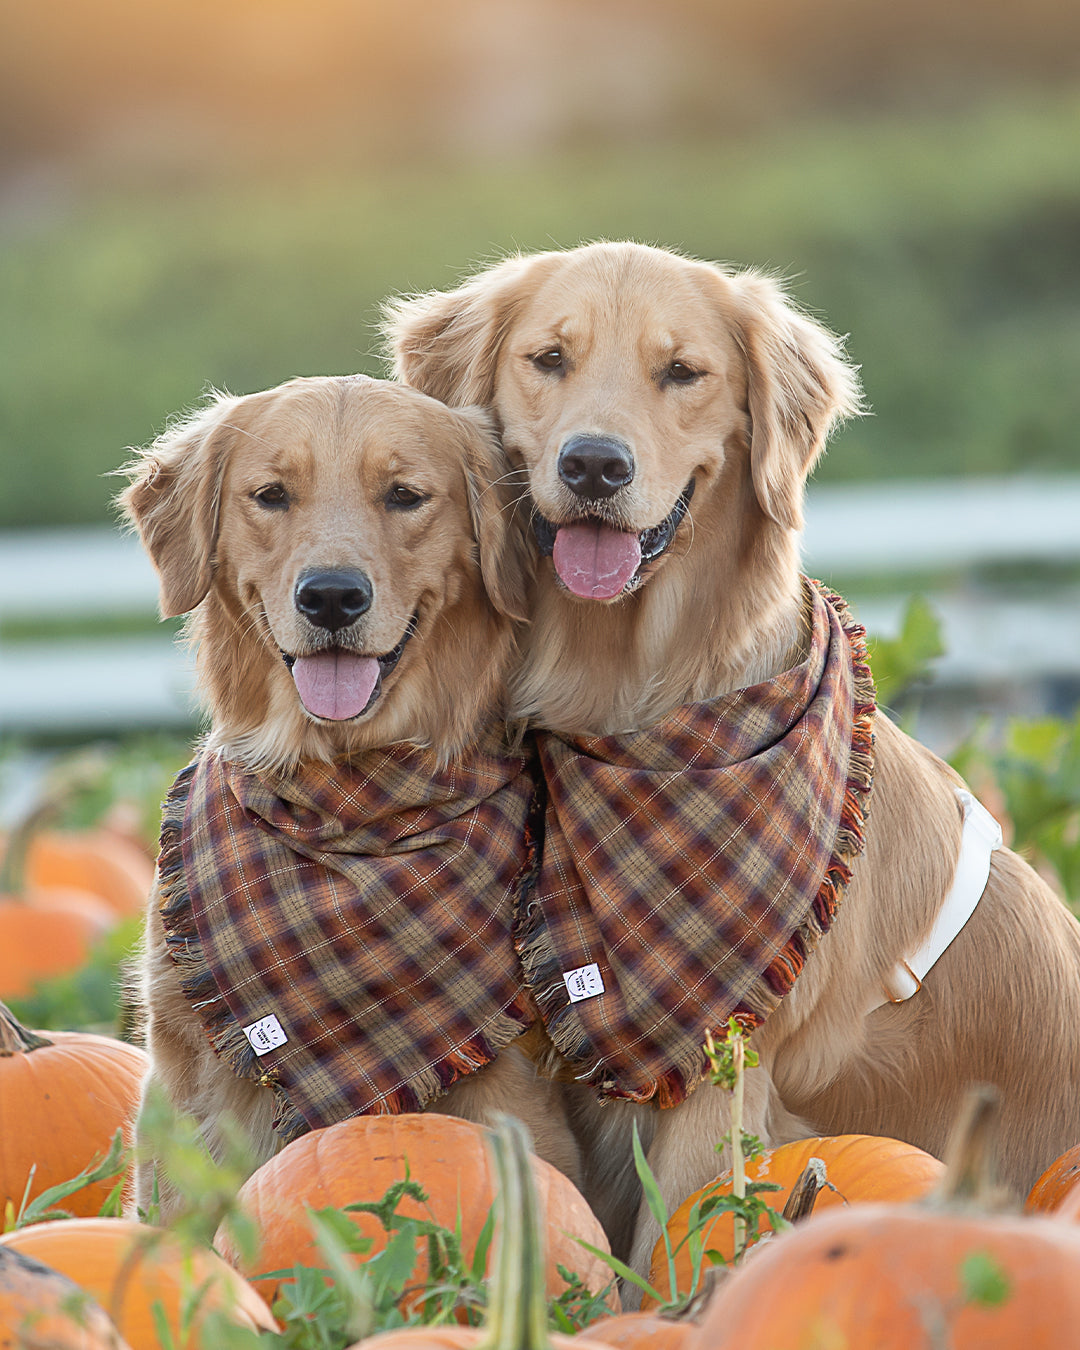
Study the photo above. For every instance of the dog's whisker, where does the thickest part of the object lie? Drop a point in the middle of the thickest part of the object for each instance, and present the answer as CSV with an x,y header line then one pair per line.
x,y
512,477
512,506
520,475
246,431
690,524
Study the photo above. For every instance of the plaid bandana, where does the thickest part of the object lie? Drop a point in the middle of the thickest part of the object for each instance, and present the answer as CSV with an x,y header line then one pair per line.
x,y
690,869
345,932
349,935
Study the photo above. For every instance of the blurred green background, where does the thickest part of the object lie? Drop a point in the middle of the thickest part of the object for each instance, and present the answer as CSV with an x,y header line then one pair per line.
x,y
198,193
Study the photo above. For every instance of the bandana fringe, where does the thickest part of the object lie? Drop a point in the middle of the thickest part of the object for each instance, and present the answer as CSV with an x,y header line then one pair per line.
x,y
197,982
851,831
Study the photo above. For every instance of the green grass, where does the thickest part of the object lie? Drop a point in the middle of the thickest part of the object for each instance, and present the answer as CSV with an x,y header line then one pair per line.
x,y
96,626
945,248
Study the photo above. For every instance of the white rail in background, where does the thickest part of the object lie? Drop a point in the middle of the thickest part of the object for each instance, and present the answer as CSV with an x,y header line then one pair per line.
x,y
866,531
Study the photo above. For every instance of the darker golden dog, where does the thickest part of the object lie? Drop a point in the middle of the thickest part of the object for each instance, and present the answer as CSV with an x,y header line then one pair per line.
x,y
663,415
343,554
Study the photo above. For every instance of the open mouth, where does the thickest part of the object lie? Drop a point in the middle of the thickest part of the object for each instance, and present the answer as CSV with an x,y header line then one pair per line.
x,y
337,685
598,562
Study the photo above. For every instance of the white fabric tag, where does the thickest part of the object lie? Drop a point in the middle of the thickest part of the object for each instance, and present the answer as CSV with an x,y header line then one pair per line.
x,y
585,982
266,1034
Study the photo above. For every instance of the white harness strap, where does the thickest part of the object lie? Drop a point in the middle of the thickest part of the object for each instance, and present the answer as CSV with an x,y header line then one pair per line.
x,y
981,836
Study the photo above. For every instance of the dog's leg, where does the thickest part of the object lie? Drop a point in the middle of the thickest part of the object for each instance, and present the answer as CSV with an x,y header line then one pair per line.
x,y
510,1085
231,1099
610,1183
187,1076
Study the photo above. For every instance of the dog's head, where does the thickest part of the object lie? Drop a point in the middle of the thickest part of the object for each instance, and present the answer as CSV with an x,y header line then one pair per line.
x,y
342,546
635,387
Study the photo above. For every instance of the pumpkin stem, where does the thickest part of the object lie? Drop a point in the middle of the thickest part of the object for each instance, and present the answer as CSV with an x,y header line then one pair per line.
x,y
67,778
15,1039
803,1197
971,1155
13,862
517,1316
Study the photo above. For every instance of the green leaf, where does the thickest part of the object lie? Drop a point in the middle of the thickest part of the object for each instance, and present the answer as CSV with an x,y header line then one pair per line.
x,y
162,1329
578,1305
653,1195
623,1271
385,1209
1035,767
112,1165
478,1269
392,1267
984,1281
334,1228
900,662
340,1242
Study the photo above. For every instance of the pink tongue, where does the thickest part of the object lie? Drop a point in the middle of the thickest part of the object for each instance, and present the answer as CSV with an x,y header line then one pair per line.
x,y
335,685
595,561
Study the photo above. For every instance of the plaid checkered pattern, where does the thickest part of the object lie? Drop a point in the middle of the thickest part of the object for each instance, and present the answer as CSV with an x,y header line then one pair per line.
x,y
697,864
364,923
368,909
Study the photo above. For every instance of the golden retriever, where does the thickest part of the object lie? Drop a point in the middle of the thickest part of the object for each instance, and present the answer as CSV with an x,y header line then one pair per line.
x,y
350,525
622,379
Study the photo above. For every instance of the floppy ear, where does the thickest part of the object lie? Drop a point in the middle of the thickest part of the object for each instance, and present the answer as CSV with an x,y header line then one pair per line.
x,y
799,386
446,343
173,502
505,560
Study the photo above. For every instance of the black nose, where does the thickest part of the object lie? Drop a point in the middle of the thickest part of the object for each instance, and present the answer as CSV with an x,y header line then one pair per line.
x,y
595,466
332,599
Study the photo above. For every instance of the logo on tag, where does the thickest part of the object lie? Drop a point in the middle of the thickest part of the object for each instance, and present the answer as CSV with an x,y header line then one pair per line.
x,y
266,1034
585,982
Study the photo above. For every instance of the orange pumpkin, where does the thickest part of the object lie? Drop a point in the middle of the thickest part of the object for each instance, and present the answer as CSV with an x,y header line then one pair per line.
x,y
884,1275
1069,1209
111,867
45,933
1068,1205
893,1276
44,930
642,1331
517,1314
444,1337
63,1095
1057,1183
130,1267
39,1307
359,1159
861,1167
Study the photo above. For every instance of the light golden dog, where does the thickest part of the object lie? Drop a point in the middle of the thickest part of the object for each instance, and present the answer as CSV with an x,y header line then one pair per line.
x,y
350,527
664,415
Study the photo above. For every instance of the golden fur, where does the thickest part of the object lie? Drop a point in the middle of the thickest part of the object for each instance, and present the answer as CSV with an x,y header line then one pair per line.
x,y
714,375
230,554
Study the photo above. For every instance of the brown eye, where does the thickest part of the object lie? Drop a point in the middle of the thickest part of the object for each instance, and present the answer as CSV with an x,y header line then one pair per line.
x,y
273,497
680,373
403,498
552,359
